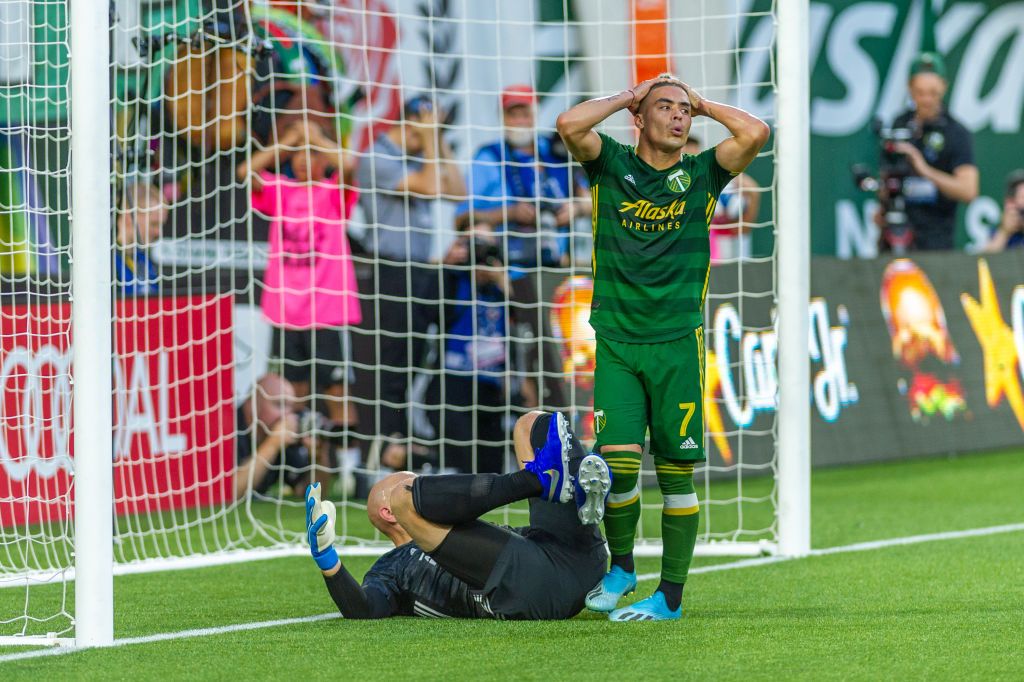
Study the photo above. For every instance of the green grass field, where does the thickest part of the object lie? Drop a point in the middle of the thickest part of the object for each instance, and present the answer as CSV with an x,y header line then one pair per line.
x,y
935,610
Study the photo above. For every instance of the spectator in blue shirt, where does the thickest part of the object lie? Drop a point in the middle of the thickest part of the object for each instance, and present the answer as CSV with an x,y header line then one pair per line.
x,y
140,217
521,186
522,189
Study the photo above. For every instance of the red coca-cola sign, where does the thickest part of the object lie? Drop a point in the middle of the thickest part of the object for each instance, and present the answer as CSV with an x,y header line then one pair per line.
x,y
174,425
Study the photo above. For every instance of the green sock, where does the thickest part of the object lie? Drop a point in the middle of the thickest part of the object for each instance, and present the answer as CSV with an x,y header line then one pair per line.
x,y
679,517
622,510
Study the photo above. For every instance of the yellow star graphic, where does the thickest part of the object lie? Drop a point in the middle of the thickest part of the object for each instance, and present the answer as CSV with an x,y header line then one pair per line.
x,y
996,339
712,413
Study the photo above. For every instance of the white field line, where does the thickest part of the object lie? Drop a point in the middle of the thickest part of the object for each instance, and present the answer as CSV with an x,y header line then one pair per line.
x,y
856,547
743,563
181,634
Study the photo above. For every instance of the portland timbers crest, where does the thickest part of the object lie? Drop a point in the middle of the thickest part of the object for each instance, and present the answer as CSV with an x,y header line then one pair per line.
x,y
678,181
599,420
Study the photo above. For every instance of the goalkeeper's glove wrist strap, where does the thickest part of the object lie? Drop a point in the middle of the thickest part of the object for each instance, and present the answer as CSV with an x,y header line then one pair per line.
x,y
327,559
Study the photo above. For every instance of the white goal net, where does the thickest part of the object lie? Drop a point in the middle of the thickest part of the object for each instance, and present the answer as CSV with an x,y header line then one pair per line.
x,y
344,239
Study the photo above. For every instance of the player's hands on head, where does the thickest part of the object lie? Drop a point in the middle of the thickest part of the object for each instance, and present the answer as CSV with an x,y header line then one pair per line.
x,y
697,101
320,519
640,91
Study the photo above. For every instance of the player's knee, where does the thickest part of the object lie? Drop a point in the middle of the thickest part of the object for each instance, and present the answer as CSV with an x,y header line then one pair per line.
x,y
524,425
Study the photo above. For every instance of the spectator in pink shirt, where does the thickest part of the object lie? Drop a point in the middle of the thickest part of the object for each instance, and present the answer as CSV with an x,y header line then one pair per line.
x,y
309,288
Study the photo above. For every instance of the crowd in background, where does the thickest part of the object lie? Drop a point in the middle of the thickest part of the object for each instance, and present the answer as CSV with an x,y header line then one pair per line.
x,y
458,336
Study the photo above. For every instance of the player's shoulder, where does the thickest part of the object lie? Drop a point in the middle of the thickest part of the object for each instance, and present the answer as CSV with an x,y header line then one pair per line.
x,y
396,558
700,162
611,147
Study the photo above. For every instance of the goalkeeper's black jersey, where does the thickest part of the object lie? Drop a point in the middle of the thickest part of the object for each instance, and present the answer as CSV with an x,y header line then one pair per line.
x,y
414,585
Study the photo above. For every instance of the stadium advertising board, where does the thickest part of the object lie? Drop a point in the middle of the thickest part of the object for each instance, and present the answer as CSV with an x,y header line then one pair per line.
x,y
173,416
908,357
933,351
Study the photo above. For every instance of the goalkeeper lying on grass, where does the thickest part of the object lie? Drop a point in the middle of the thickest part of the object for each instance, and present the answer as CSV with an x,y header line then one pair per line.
x,y
448,563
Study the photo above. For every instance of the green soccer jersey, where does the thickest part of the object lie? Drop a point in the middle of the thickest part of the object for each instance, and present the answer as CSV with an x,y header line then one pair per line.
x,y
651,247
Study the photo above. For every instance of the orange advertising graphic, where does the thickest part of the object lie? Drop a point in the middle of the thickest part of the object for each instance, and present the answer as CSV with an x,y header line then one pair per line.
x,y
570,321
920,341
650,38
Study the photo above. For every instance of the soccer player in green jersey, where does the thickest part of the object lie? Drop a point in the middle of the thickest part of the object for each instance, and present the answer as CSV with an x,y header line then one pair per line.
x,y
651,208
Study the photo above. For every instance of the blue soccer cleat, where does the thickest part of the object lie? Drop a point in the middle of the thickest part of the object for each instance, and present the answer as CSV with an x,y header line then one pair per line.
x,y
652,608
592,483
613,586
551,463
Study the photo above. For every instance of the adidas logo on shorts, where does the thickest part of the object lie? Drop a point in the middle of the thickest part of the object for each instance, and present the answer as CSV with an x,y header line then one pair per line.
x,y
688,444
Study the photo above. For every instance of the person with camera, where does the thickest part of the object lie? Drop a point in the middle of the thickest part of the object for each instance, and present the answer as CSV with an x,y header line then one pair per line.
x,y
407,168
940,171
1010,233
522,186
476,389
269,447
523,190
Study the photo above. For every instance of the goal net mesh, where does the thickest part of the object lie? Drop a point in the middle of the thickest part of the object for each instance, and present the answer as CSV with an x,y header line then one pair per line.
x,y
334,255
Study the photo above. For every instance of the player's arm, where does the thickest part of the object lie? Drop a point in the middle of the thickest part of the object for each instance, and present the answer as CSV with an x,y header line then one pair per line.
x,y
749,133
352,599
576,126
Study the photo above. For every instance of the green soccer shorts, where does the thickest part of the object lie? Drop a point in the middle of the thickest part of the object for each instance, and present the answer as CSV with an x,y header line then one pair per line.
x,y
656,386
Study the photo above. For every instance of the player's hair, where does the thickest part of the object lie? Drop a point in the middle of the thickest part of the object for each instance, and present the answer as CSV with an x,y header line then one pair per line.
x,y
667,79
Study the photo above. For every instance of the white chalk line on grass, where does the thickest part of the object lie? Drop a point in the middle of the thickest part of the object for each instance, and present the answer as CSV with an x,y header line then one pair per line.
x,y
181,634
856,547
743,563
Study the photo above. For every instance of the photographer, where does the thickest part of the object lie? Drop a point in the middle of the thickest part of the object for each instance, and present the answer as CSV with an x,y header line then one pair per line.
x,y
269,443
523,191
475,358
939,165
521,186
407,168
1010,233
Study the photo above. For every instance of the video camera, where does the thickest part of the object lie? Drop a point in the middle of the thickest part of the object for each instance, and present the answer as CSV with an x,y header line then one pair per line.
x,y
483,252
893,170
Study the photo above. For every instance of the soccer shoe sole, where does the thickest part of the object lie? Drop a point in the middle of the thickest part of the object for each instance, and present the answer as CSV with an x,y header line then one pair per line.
x,y
627,615
595,481
565,440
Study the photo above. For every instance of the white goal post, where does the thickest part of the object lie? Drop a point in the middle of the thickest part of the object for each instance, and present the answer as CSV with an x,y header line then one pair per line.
x,y
208,259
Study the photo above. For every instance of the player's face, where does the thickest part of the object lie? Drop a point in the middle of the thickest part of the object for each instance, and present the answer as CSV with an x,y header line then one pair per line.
x,y
665,120
927,91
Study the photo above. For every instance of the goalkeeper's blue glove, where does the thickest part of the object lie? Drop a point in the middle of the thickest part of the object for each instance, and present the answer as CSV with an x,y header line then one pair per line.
x,y
320,518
